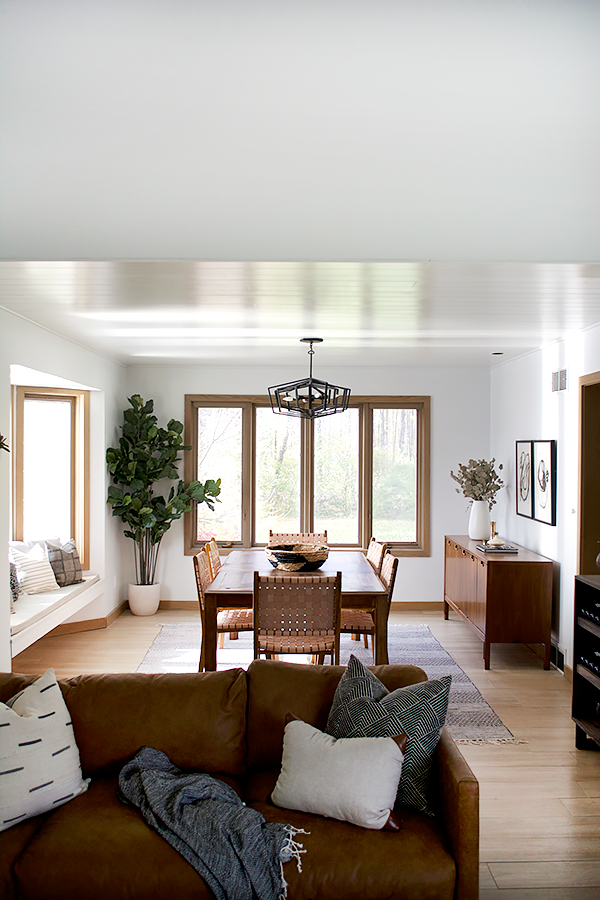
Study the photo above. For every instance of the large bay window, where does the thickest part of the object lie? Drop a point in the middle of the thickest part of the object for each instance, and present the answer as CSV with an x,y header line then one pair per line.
x,y
355,474
51,466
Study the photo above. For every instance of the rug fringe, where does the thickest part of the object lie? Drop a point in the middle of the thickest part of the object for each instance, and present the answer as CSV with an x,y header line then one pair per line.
x,y
490,741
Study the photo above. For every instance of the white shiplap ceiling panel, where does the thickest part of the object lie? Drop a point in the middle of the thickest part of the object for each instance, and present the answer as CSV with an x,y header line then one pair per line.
x,y
250,313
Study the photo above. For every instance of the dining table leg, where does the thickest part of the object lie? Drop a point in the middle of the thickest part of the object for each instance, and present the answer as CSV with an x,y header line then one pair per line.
x,y
381,626
210,633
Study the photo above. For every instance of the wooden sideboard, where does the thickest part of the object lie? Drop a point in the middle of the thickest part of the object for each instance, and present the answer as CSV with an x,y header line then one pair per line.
x,y
503,597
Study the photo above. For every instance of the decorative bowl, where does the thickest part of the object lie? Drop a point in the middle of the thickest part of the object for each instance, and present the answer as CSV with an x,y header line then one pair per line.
x,y
297,557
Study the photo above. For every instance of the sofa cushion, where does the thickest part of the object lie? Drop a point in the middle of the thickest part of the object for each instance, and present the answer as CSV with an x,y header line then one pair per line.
x,y
278,688
98,848
39,761
354,780
65,562
342,860
363,707
198,720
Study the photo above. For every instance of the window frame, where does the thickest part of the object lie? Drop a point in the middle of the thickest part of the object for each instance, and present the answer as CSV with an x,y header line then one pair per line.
x,y
80,454
366,405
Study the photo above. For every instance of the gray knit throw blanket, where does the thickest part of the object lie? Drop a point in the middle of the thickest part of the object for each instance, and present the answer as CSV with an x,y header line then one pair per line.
x,y
238,854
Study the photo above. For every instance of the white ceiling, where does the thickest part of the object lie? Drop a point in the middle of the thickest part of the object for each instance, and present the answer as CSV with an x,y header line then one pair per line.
x,y
254,313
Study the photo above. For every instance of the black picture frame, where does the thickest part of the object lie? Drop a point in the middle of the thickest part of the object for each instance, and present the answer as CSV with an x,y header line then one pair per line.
x,y
524,484
544,481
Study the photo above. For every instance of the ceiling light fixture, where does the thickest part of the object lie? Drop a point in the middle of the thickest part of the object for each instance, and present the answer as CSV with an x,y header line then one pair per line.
x,y
308,398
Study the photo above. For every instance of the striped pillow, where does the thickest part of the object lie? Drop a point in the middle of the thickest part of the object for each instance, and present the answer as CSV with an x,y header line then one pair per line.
x,y
34,570
363,707
39,759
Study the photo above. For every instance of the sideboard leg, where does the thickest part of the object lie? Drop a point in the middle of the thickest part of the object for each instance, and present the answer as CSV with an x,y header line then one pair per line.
x,y
547,647
486,654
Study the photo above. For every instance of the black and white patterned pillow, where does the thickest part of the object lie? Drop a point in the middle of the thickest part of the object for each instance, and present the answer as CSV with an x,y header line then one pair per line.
x,y
65,562
15,588
39,758
363,707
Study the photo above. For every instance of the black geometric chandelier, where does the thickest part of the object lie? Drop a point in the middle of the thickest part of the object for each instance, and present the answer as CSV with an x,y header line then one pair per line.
x,y
309,398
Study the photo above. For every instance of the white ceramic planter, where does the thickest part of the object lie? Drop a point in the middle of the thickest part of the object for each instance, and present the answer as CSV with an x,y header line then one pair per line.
x,y
479,521
144,599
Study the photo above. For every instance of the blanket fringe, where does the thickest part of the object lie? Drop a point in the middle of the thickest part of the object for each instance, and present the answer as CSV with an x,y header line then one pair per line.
x,y
490,741
291,849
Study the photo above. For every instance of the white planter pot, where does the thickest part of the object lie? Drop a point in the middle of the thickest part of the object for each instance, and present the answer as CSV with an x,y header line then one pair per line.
x,y
479,521
144,599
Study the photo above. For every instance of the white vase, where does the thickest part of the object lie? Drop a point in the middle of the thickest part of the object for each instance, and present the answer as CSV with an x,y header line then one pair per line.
x,y
144,599
479,521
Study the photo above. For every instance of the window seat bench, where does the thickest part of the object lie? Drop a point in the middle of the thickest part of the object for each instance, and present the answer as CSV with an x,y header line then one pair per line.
x,y
37,614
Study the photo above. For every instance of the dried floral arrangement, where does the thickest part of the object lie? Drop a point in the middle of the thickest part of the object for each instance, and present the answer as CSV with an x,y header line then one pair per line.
x,y
479,480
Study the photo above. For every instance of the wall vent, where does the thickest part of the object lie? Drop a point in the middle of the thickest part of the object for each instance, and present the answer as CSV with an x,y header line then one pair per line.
x,y
559,380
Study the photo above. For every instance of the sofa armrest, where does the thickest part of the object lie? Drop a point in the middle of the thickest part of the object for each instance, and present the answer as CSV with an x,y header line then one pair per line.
x,y
459,808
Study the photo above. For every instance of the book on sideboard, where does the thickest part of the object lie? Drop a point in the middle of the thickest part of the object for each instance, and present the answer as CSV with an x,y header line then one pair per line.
x,y
498,548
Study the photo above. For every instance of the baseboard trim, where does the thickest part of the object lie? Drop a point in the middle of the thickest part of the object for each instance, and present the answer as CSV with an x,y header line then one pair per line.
x,y
87,624
178,604
568,673
423,605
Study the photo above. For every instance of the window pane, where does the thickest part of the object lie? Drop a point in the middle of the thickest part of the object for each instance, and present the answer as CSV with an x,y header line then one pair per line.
x,y
336,477
395,474
220,456
46,469
277,474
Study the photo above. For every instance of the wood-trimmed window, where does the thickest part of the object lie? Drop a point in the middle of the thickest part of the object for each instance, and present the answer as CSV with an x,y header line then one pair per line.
x,y
51,474
358,474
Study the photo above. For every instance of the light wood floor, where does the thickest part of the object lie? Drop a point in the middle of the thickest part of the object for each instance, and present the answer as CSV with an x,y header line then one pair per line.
x,y
540,801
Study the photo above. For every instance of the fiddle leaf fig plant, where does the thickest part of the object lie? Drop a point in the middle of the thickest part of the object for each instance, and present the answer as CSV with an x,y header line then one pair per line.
x,y
146,455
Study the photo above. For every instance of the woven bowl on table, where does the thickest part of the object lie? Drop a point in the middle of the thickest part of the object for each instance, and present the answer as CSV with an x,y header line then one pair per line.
x,y
297,557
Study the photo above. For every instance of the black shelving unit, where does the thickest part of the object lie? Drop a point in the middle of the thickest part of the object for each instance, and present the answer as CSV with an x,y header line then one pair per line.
x,y
586,663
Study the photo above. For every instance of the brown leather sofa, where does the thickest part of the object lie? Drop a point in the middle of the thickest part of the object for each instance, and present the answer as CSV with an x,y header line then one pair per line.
x,y
229,724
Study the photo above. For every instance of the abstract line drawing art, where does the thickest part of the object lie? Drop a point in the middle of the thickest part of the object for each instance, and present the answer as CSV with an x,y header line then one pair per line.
x,y
524,492
544,481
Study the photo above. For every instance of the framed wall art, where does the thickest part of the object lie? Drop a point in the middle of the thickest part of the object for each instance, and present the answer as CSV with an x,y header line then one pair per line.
x,y
544,481
523,467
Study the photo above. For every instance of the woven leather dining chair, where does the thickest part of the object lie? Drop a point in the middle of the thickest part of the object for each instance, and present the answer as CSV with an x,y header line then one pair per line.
x,y
375,553
228,620
297,614
213,556
359,622
298,537
214,560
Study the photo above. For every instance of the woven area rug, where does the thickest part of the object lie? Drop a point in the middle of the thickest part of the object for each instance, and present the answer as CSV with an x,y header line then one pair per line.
x,y
470,719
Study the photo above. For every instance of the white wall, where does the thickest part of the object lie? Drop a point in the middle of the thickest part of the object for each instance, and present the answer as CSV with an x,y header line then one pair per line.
x,y
459,429
523,407
22,343
300,129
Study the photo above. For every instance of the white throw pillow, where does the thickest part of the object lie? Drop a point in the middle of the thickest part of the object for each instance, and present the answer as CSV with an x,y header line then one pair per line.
x,y
34,571
39,759
352,779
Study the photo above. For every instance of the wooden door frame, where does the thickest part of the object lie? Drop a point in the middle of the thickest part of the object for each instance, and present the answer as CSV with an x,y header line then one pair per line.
x,y
589,476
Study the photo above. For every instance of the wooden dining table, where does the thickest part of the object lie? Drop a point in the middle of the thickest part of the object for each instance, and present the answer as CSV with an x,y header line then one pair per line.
x,y
233,585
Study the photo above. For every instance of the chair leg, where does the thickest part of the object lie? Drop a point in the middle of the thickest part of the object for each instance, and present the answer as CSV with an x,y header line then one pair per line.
x,y
221,639
366,637
355,637
233,635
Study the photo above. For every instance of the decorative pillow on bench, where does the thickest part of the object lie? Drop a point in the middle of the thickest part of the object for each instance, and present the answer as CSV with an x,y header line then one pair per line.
x,y
363,707
39,759
65,562
15,588
34,571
